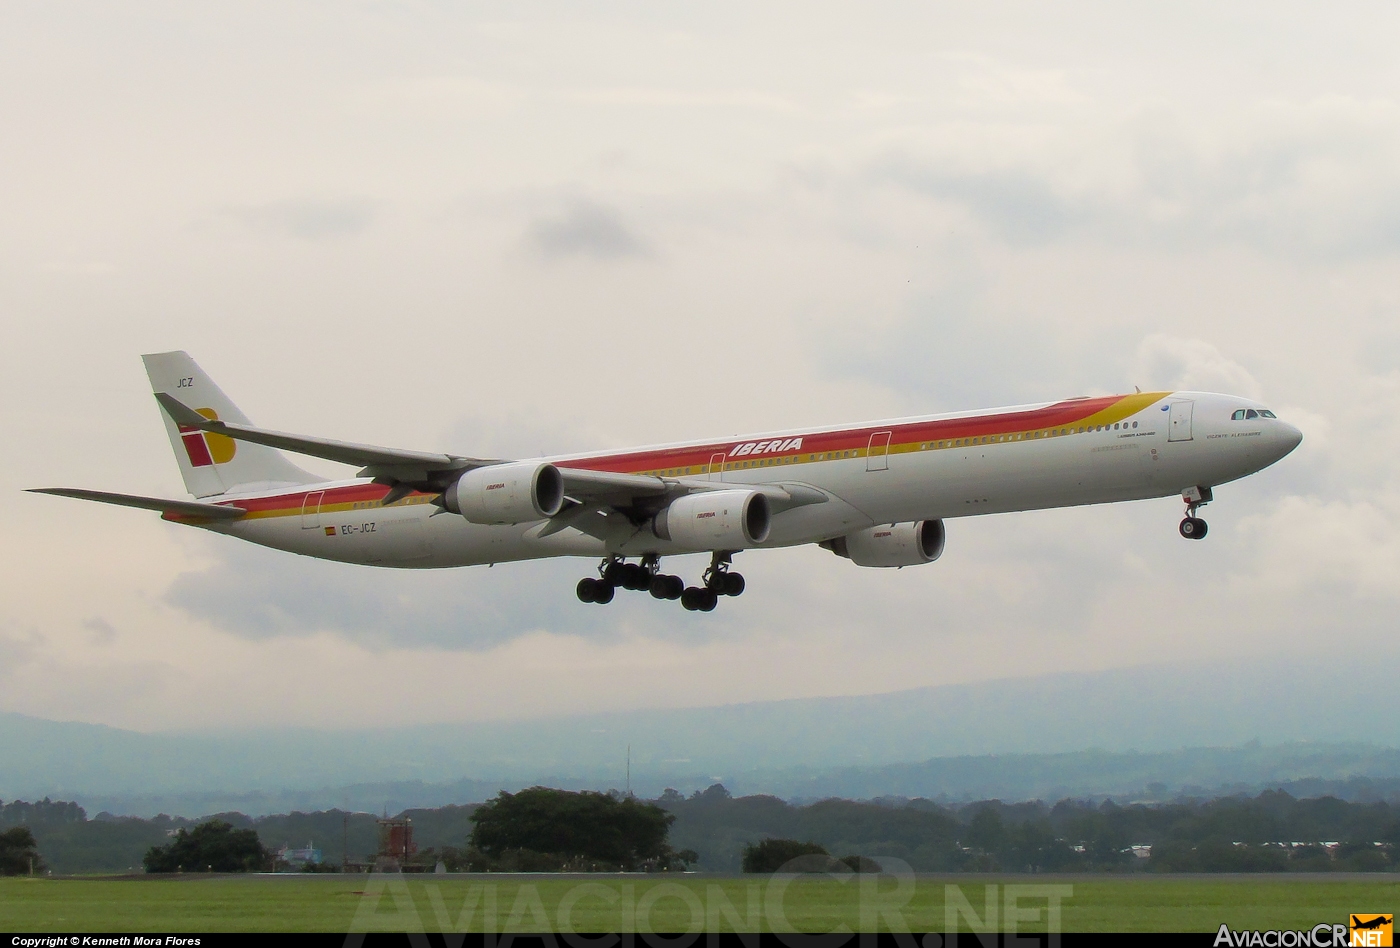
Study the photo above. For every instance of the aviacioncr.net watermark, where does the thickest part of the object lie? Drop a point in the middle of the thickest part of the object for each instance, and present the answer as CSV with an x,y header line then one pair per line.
x,y
688,910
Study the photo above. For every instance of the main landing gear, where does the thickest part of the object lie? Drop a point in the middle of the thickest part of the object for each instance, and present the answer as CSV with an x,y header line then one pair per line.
x,y
718,580
646,575
1193,527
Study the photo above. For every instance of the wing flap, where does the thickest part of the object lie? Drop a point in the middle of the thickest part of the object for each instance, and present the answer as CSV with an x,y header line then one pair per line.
x,y
608,487
182,508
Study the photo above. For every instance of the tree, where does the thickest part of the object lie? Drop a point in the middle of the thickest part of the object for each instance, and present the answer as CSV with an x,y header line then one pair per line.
x,y
986,831
772,855
19,853
214,846
624,832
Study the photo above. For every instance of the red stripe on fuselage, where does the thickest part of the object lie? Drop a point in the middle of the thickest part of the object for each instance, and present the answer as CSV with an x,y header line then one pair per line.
x,y
349,494
822,442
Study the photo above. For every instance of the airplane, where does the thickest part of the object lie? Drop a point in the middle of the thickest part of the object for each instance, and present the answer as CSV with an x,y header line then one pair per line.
x,y
877,493
1376,922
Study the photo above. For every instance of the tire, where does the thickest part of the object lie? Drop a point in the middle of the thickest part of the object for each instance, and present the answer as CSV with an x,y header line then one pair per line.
x,y
677,586
1192,528
604,594
708,600
734,584
587,589
689,600
660,587
637,577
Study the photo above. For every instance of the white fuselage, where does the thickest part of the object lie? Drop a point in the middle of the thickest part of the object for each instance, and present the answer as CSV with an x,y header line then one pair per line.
x,y
928,468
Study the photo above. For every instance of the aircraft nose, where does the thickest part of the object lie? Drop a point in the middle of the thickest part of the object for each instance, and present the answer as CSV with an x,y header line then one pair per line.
x,y
1288,437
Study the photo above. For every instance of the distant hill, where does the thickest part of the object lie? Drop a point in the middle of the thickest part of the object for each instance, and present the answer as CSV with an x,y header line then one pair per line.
x,y
1358,773
958,741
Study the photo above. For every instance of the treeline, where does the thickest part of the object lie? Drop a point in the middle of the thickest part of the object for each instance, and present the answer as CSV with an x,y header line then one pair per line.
x,y
1272,831
70,842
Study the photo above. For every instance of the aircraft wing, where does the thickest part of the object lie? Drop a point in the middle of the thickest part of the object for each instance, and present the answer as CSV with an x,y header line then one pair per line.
x,y
184,508
596,498
608,487
410,470
783,495
390,464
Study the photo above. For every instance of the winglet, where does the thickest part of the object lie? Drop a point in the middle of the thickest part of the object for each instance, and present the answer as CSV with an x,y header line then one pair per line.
x,y
182,414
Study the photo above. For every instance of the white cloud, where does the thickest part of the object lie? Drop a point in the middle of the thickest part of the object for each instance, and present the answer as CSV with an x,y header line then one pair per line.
x,y
1193,365
307,218
584,229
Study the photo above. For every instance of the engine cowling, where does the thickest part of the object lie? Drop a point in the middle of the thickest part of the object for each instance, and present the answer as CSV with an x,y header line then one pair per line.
x,y
716,520
518,492
900,544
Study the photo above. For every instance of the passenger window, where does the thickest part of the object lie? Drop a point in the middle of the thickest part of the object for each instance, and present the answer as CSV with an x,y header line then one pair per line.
x,y
1238,416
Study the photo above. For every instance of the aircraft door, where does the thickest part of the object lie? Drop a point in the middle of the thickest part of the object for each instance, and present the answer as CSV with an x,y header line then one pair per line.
x,y
1179,424
877,456
716,472
311,510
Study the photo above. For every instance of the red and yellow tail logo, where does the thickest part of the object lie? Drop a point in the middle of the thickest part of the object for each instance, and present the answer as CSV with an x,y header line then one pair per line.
x,y
205,448
1372,931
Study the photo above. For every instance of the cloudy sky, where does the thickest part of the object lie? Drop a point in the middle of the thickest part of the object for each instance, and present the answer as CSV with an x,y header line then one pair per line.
x,y
527,228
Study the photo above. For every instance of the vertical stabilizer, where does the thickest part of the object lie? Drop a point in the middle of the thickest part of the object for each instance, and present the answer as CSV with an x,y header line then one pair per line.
x,y
211,463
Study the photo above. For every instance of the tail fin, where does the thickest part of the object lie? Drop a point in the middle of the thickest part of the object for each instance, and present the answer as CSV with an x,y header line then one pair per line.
x,y
212,463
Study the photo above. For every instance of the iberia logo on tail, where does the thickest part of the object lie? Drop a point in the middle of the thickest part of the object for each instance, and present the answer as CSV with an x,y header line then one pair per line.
x,y
205,448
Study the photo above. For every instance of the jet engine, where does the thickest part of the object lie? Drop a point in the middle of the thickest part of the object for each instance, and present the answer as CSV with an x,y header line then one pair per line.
x,y
518,492
899,544
715,520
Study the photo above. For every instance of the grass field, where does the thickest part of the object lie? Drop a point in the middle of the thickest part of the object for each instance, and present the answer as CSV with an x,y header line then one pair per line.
x,y
682,903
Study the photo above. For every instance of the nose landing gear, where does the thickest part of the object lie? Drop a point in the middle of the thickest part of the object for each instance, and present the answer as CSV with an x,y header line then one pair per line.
x,y
1193,527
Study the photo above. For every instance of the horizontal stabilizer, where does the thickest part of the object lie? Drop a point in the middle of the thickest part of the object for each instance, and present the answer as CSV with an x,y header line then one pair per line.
x,y
183,508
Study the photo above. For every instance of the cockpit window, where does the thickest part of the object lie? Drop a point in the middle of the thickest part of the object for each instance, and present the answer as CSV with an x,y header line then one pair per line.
x,y
1265,413
1238,415
1242,413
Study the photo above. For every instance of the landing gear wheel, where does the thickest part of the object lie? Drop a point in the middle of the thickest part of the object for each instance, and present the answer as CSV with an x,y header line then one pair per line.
x,y
733,584
1193,528
690,598
661,586
613,573
707,600
587,589
605,594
